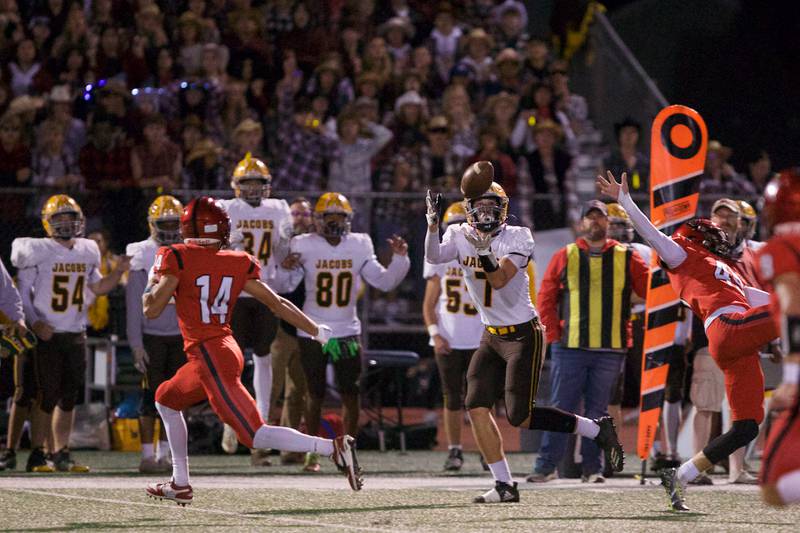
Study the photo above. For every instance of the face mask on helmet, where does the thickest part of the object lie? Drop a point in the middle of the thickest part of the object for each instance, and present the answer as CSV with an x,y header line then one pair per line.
x,y
485,214
253,190
620,231
333,225
712,238
66,225
167,230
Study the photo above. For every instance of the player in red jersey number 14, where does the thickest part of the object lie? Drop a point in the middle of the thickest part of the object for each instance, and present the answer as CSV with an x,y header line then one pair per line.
x,y
206,280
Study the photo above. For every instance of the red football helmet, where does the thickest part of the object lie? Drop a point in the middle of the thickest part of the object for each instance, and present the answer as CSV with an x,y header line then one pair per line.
x,y
782,199
707,234
205,222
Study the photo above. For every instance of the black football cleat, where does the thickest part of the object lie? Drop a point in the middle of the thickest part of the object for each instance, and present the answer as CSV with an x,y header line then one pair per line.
x,y
608,441
674,488
8,459
501,493
455,460
37,462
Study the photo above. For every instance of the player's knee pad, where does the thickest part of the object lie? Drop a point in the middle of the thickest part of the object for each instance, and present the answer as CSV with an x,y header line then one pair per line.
x,y
166,396
741,434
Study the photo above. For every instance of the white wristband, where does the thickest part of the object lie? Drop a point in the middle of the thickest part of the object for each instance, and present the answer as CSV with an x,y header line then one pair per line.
x,y
790,373
433,330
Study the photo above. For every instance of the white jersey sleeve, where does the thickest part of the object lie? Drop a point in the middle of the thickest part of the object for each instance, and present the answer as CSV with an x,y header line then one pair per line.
x,y
383,279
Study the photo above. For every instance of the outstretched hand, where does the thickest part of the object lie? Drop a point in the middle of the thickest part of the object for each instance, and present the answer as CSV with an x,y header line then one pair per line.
x,y
433,204
610,186
398,244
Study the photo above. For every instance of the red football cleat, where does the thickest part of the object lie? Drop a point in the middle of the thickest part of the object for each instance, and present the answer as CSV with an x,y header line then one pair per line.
x,y
170,491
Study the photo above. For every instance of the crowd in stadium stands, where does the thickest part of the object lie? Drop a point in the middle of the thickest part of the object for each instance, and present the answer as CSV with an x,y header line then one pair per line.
x,y
116,101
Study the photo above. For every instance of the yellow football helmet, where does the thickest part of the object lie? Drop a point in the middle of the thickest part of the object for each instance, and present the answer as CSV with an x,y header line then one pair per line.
x,y
63,228
488,218
251,180
164,219
749,220
455,214
620,227
333,203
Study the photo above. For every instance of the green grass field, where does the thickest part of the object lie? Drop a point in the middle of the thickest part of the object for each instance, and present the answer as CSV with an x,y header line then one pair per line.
x,y
402,493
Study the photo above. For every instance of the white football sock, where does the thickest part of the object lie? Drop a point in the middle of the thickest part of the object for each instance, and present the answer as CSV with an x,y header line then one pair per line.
x,y
177,435
501,471
262,383
788,486
688,472
147,450
454,447
672,423
585,427
290,440
162,450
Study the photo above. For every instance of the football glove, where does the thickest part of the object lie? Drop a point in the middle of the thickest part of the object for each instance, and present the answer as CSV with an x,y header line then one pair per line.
x,y
434,204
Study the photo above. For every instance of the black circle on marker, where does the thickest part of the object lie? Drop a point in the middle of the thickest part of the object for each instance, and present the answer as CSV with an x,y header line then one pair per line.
x,y
666,139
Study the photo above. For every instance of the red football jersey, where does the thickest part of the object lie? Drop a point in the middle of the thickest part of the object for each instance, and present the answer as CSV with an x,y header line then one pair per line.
x,y
780,255
209,283
705,281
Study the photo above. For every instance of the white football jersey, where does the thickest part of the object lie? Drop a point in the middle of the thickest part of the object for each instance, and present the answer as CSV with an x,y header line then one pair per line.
x,y
332,277
143,257
59,279
259,230
459,321
497,307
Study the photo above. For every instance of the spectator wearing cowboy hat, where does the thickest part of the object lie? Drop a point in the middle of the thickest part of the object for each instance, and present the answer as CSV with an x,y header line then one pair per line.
x,y
60,103
720,178
478,46
203,168
548,171
398,32
627,157
508,69
498,113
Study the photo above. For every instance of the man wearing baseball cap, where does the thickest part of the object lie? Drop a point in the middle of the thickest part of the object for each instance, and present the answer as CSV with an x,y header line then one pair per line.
x,y
584,303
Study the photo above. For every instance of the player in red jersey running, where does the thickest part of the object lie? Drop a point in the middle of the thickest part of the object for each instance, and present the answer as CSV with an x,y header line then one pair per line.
x,y
205,280
778,265
736,319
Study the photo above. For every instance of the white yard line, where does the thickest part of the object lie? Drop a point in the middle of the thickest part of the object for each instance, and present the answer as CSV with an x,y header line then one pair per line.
x,y
191,508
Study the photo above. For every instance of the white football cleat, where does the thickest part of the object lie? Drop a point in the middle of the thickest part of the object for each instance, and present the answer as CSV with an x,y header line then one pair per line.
x,y
344,456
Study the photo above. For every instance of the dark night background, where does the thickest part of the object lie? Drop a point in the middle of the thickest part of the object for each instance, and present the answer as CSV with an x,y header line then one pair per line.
x,y
737,62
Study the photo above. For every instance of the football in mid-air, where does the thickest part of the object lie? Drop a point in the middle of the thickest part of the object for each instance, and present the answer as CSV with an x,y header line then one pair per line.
x,y
477,179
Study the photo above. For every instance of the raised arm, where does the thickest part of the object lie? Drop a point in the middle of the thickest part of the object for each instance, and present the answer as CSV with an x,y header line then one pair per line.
x,y
435,252
386,279
668,250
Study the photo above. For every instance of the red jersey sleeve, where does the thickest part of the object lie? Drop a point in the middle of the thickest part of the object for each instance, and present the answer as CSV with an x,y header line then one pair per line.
x,y
639,273
548,298
168,261
779,256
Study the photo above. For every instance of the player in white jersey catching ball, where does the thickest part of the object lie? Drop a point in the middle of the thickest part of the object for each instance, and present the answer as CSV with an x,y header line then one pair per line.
x,y
508,361
332,262
258,224
55,275
455,329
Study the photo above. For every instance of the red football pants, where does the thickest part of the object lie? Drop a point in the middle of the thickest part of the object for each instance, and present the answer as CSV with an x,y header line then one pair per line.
x,y
733,341
782,453
213,370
